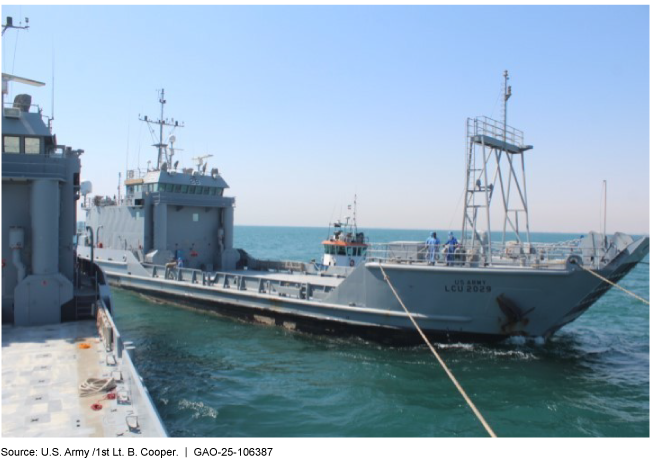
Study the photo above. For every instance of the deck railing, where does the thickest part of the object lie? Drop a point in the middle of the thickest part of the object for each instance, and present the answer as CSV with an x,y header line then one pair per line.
x,y
537,255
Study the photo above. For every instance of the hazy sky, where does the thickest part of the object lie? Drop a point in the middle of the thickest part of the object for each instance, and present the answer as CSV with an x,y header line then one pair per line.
x,y
302,107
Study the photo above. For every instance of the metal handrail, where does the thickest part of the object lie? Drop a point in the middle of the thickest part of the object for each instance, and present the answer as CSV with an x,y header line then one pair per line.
x,y
10,105
494,128
538,255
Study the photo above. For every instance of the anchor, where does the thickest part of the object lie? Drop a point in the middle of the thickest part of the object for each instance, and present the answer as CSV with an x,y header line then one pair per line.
x,y
512,311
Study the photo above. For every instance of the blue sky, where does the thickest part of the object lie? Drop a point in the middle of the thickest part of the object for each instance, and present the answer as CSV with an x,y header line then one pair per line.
x,y
302,107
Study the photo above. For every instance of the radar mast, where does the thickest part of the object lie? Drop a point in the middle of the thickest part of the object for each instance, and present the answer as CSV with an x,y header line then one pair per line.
x,y
162,122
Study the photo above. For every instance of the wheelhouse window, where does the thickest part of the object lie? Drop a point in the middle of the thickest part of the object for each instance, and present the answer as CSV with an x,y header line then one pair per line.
x,y
33,145
11,144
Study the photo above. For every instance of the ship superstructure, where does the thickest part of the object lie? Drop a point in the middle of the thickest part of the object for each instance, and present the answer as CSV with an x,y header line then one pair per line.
x,y
169,215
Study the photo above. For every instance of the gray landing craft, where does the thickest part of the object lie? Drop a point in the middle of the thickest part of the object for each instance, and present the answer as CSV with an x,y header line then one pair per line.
x,y
61,351
171,236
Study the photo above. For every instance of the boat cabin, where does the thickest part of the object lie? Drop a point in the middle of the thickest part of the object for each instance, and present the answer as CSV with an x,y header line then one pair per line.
x,y
344,249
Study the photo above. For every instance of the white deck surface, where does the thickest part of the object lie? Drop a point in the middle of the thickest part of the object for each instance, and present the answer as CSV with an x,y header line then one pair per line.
x,y
42,368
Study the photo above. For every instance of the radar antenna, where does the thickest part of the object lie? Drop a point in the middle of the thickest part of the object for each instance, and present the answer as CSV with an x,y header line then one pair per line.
x,y
199,161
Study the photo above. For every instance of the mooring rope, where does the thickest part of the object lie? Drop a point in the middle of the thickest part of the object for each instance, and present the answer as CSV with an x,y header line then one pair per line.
x,y
442,363
614,284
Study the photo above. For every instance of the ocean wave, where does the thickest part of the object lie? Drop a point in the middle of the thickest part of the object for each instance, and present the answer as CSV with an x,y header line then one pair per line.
x,y
199,409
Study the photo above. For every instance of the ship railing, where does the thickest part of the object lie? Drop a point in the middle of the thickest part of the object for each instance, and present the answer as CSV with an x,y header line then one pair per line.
x,y
147,420
241,281
136,174
495,129
510,254
33,108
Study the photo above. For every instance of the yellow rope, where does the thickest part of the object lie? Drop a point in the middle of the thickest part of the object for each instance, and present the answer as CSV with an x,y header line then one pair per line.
x,y
442,363
615,285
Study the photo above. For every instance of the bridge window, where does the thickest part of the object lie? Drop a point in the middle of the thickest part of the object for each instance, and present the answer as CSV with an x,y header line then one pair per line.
x,y
213,191
340,251
206,190
33,145
183,188
192,189
11,144
177,189
199,190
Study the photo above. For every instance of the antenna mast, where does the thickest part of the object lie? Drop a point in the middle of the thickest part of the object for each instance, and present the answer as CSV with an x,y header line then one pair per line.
x,y
507,92
354,214
605,216
52,118
162,122
6,78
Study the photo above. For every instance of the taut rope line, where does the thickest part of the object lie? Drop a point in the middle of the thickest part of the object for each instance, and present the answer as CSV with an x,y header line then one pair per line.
x,y
442,363
615,285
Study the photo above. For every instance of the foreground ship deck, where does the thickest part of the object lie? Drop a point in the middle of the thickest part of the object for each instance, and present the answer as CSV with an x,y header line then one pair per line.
x,y
42,369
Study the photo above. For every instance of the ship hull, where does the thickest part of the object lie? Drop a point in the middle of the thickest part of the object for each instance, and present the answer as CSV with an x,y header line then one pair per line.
x,y
448,303
321,326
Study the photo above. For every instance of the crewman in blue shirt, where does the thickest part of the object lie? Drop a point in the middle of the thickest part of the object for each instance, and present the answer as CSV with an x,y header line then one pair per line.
x,y
452,243
433,247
